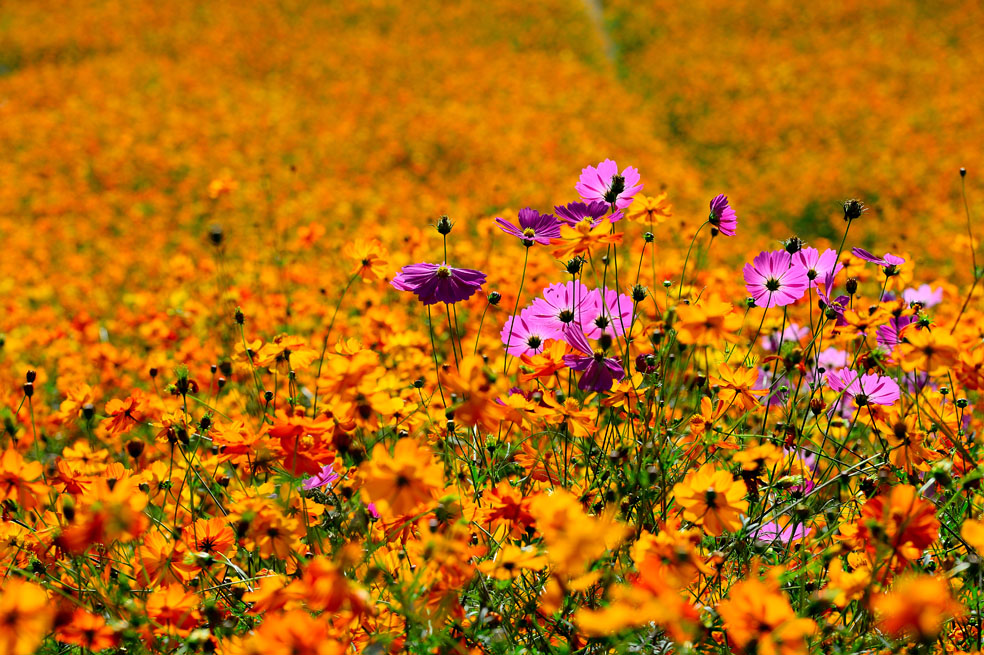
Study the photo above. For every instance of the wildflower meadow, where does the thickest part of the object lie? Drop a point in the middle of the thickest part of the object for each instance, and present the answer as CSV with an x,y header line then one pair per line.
x,y
491,328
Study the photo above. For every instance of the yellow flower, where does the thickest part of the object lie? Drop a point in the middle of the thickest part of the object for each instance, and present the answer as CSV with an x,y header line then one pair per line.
x,y
510,561
712,498
403,481
757,614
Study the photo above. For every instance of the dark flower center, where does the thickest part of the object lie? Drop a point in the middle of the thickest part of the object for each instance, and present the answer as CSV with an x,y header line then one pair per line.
x,y
601,322
812,274
529,232
861,399
772,284
710,497
566,316
534,342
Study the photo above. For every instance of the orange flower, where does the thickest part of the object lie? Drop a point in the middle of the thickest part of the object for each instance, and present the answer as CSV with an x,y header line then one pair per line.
x,y
88,631
758,617
17,479
173,610
900,520
123,414
712,498
403,481
916,608
511,561
711,323
929,351
370,256
26,616
581,239
649,210
736,386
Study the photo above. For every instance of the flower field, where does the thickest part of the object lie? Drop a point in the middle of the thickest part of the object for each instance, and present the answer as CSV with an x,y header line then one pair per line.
x,y
498,328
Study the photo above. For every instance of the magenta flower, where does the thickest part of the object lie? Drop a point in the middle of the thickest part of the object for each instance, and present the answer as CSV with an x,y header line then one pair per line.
x,y
599,372
326,477
575,212
562,304
722,216
870,389
890,334
527,336
771,532
605,184
818,266
888,262
434,283
773,281
534,227
612,314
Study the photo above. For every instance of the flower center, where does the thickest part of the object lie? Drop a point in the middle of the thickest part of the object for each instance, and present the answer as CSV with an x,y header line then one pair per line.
x,y
534,342
772,284
444,272
529,233
566,316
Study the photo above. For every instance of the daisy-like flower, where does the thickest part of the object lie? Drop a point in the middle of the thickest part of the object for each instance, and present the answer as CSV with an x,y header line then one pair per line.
x,y
925,295
773,281
433,283
890,334
613,314
528,337
712,498
604,183
322,479
599,372
563,304
817,265
575,212
870,389
888,261
722,216
534,227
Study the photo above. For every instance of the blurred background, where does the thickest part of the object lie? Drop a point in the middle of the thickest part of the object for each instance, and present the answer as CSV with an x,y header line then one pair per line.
x,y
134,126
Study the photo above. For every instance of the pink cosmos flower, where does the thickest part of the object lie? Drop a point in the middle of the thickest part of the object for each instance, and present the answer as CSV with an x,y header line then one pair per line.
x,y
818,266
534,227
890,334
527,336
605,184
773,281
870,389
563,304
888,262
322,479
722,216
599,372
925,295
613,314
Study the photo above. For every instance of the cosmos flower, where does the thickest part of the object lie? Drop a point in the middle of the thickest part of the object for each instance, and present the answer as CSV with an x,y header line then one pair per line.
x,y
888,262
722,216
575,212
870,389
817,265
434,283
534,227
528,336
599,372
712,498
604,183
925,295
563,304
322,479
773,281
890,334
613,313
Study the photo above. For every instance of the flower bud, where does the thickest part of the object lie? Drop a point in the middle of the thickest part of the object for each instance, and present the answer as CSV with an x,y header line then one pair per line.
x,y
444,225
793,245
853,209
134,448
649,237
215,234
240,317
638,293
494,298
28,389
32,375
851,286
88,411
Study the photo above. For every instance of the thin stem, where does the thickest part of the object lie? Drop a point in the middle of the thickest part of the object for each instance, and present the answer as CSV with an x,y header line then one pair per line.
x,y
512,321
683,273
324,346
